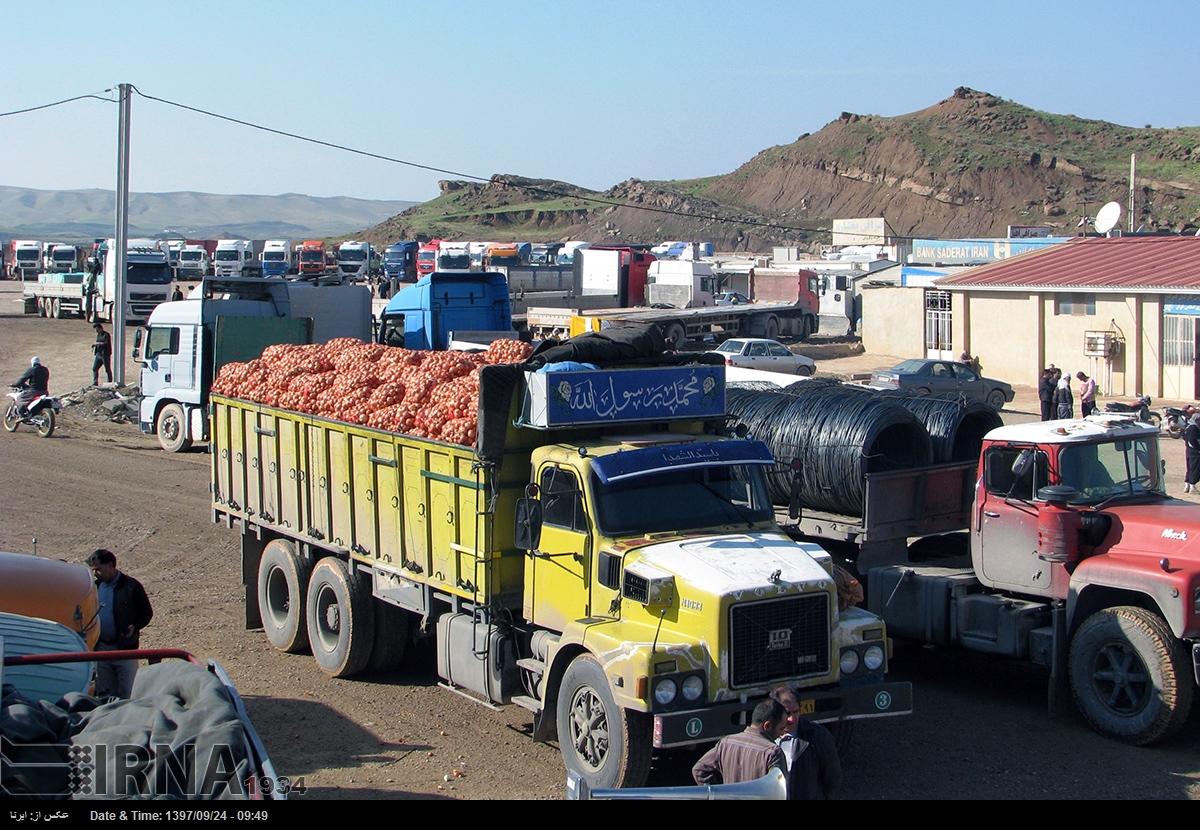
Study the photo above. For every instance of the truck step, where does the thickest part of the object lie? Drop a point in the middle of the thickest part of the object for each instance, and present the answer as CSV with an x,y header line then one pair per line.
x,y
532,665
525,702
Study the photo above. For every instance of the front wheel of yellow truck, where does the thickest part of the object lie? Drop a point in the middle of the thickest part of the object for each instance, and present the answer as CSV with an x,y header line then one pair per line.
x,y
607,745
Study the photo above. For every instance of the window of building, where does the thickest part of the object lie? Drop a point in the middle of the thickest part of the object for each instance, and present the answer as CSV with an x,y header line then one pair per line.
x,y
1075,304
1179,340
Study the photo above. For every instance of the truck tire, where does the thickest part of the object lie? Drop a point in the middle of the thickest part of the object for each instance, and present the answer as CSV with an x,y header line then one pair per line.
x,y
41,305
676,334
1129,675
391,638
843,735
771,328
804,329
341,619
56,308
172,428
282,580
608,745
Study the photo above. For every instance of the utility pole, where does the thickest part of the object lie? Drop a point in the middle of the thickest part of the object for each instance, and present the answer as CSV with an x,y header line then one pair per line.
x,y
1132,187
122,236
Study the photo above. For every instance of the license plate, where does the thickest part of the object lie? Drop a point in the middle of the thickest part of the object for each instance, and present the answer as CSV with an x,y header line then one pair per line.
x,y
807,707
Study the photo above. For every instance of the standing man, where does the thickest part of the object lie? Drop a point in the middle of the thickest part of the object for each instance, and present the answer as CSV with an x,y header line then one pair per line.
x,y
1062,395
747,755
814,769
1087,395
1046,394
124,611
102,349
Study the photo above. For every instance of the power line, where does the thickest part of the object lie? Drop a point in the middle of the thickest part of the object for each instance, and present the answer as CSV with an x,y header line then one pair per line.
x,y
99,96
517,185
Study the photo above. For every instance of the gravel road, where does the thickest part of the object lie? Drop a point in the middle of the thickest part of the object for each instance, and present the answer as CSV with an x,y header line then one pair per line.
x,y
979,729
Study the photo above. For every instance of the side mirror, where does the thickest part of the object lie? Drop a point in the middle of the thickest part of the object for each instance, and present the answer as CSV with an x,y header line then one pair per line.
x,y
137,344
794,496
527,534
1022,464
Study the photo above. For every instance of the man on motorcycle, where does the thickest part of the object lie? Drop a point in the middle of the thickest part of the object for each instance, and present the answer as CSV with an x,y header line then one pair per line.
x,y
34,383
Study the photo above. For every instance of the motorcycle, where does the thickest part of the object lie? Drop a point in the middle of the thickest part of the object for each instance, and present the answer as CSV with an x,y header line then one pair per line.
x,y
1176,420
41,414
1142,408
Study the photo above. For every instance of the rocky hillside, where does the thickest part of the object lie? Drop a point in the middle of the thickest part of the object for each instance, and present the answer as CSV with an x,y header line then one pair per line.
x,y
967,166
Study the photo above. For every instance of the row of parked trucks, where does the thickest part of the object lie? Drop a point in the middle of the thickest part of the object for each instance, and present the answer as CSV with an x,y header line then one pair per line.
x,y
617,569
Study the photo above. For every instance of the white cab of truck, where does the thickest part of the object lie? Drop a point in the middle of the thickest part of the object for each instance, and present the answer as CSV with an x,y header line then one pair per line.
x,y
231,257
681,283
454,256
184,343
354,259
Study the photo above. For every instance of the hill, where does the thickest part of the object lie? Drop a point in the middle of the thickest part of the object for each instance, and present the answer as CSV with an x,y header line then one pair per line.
x,y
969,165
77,216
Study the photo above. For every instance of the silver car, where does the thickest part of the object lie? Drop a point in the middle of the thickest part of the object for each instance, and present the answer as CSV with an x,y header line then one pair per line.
x,y
943,377
765,355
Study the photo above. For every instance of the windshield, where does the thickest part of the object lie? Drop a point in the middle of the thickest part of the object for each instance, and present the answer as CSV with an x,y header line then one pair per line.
x,y
190,256
908,367
227,256
148,273
462,261
682,499
274,256
353,256
426,256
1101,471
312,256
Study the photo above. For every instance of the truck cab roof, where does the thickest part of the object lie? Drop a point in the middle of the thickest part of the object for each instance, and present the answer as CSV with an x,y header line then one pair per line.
x,y
1096,427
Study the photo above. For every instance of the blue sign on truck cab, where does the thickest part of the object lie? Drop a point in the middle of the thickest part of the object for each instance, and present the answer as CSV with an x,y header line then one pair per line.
x,y
423,315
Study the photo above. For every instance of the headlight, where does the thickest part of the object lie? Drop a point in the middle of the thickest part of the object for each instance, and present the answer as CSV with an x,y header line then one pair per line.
x,y
665,691
693,687
873,658
849,661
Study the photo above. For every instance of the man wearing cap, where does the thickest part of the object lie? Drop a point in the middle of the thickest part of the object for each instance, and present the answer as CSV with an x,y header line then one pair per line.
x,y
124,611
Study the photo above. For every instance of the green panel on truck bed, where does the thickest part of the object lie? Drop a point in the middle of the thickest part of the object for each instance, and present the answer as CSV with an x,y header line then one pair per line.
x,y
242,339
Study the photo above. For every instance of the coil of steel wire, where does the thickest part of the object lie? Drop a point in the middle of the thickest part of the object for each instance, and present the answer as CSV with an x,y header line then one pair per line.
x,y
956,425
839,433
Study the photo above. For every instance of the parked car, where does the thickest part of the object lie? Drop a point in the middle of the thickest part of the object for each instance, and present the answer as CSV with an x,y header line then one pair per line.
x,y
943,377
731,298
765,355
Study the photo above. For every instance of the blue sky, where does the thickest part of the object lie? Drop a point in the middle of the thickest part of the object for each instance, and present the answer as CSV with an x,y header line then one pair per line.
x,y
590,93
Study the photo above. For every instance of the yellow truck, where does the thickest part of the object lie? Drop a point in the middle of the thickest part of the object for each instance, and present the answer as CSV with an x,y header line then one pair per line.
x,y
606,556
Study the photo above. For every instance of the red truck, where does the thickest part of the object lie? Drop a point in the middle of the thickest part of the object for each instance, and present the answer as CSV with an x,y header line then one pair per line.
x,y
1064,550
789,285
427,258
312,257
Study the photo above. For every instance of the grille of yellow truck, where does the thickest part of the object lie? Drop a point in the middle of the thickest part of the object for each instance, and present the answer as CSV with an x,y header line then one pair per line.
x,y
779,638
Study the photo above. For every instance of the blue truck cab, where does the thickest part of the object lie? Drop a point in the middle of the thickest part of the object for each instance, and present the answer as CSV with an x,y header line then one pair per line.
x,y
426,314
400,262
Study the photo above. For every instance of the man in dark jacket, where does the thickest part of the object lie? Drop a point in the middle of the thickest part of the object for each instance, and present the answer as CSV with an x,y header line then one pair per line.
x,y
34,383
102,349
124,611
814,768
1046,394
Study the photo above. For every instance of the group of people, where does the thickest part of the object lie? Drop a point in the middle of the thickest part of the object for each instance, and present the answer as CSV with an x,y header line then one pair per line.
x,y
1054,392
777,737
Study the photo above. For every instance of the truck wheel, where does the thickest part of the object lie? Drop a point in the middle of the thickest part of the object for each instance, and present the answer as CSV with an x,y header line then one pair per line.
x,y
1129,675
804,329
995,399
608,745
341,619
843,735
41,304
771,328
282,580
56,308
676,334
172,429
391,638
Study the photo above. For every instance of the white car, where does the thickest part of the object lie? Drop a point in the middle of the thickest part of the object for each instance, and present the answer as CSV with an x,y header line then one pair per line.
x,y
765,355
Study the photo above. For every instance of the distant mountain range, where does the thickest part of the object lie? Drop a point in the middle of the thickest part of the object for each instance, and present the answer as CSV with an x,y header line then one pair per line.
x,y
79,216
967,166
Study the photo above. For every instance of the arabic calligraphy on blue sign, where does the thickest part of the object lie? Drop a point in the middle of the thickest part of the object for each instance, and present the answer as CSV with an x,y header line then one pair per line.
x,y
665,393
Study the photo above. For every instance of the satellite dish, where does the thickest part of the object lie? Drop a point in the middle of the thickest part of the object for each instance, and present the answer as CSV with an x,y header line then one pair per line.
x,y
1108,217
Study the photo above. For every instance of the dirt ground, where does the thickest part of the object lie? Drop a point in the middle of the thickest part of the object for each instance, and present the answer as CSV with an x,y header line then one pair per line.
x,y
979,729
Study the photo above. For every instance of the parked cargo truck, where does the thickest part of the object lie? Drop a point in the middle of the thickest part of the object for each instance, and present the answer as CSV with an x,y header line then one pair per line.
x,y
606,557
147,283
185,343
400,263
278,258
26,260
1071,556
354,260
312,257
444,307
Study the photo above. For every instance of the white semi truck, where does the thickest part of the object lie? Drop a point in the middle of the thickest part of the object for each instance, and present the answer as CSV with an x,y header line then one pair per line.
x,y
185,343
